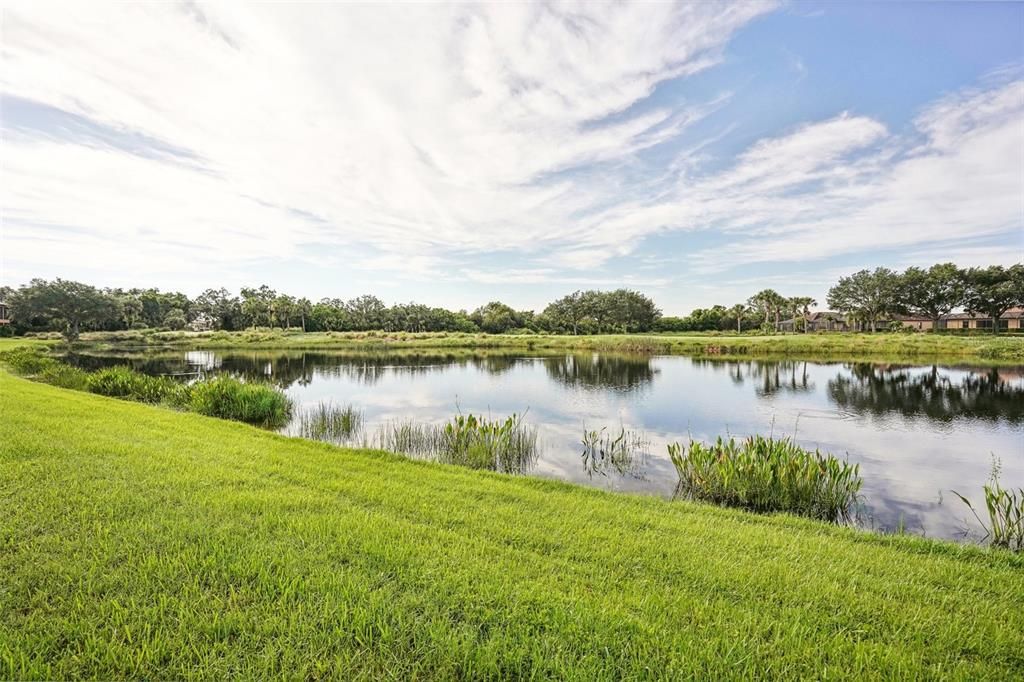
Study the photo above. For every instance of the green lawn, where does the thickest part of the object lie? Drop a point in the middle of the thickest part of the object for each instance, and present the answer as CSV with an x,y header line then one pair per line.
x,y
1003,347
140,542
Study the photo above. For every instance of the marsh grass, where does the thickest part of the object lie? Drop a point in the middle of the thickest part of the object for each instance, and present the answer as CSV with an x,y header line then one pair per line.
x,y
507,446
768,475
1005,508
330,423
229,398
625,452
126,383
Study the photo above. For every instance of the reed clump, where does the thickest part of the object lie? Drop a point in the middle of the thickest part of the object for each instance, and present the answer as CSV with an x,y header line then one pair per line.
x,y
624,451
768,475
1005,508
126,383
229,398
505,445
331,423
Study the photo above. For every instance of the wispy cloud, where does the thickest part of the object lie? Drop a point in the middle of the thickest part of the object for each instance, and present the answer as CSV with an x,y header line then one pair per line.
x,y
411,140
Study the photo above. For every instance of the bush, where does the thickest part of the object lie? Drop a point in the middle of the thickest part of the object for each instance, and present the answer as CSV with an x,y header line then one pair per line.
x,y
230,398
124,382
65,376
768,475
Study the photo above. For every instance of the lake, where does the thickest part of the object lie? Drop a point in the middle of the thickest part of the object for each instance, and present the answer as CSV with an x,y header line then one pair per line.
x,y
918,431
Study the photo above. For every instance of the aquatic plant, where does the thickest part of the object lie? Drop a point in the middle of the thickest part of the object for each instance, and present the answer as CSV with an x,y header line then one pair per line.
x,y
508,445
65,376
330,423
1005,508
27,361
603,449
124,382
229,398
767,475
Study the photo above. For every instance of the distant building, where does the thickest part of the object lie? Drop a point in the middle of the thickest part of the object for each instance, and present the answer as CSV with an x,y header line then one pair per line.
x,y
832,321
1011,319
5,316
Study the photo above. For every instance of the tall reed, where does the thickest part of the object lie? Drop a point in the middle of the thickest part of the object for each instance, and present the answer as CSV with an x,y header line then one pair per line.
x,y
768,475
330,423
229,398
603,449
1005,508
508,445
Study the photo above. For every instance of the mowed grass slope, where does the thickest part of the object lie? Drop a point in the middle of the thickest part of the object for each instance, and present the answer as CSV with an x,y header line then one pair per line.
x,y
140,542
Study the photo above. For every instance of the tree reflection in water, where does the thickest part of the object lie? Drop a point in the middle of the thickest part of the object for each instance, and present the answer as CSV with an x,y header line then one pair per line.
x,y
601,371
768,376
984,393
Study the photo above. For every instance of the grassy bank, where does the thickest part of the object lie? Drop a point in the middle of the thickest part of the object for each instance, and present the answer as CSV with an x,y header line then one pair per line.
x,y
142,542
989,347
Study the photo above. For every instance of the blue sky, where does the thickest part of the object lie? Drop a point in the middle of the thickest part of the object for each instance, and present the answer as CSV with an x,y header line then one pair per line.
x,y
453,155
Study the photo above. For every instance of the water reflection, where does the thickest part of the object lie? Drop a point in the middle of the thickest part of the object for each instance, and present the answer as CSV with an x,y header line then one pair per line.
x,y
601,371
766,377
981,393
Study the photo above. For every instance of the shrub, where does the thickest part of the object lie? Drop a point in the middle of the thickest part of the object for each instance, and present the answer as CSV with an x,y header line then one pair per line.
x,y
229,398
768,475
29,361
65,376
124,382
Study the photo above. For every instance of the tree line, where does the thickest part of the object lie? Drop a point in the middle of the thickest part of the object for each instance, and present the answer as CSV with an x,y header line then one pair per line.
x,y
73,307
865,298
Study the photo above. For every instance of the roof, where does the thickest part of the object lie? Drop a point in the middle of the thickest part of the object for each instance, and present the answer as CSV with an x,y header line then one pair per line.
x,y
1011,314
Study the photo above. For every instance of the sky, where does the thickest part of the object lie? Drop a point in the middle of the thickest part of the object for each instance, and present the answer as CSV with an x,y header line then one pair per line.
x,y
457,154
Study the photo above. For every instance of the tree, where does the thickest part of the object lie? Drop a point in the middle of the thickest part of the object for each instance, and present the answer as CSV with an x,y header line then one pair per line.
x,y
738,312
934,292
257,305
72,305
769,303
303,307
131,310
994,290
366,312
801,305
866,295
221,307
175,319
496,318
567,312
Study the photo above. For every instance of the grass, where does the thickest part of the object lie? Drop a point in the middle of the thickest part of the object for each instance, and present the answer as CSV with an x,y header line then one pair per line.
x,y
330,423
841,345
508,446
144,543
624,451
148,543
767,475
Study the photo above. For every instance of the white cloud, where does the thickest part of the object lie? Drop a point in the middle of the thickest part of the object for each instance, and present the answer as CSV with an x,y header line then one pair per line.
x,y
413,129
421,136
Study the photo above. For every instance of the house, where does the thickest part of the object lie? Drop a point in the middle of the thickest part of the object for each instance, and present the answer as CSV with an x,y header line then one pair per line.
x,y
837,322
1011,319
5,315
823,321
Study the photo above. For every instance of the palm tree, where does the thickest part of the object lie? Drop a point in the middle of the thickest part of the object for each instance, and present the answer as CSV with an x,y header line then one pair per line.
x,y
801,305
738,311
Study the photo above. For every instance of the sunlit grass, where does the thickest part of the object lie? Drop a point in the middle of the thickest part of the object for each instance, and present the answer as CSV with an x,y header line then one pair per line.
x,y
144,543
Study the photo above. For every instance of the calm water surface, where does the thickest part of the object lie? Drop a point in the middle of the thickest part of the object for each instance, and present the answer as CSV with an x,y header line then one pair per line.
x,y
918,431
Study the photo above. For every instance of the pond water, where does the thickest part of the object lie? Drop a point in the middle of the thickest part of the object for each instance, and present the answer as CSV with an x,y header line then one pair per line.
x,y
917,431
